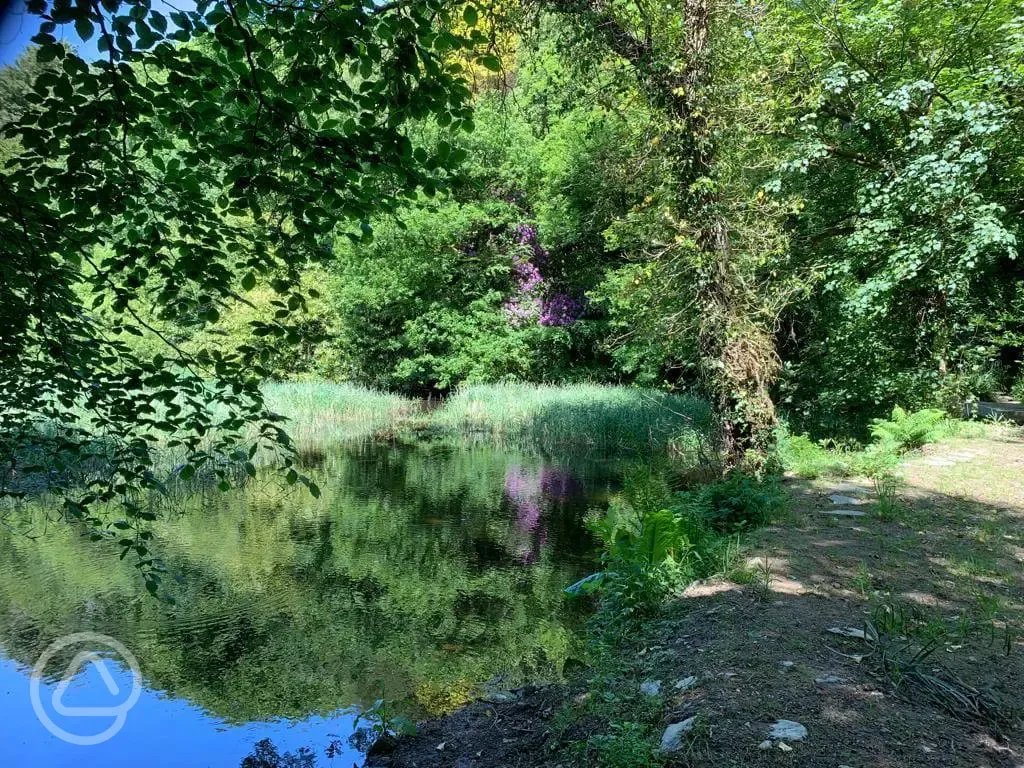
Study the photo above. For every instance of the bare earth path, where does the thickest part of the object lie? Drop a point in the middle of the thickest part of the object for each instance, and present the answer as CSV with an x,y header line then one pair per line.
x,y
942,573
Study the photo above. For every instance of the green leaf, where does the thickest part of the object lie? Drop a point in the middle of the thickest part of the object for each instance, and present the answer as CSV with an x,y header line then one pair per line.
x,y
84,28
470,15
491,62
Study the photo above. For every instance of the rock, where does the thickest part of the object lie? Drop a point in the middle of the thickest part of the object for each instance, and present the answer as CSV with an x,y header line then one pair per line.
x,y
842,512
787,666
787,730
766,744
829,680
587,584
672,739
686,683
848,632
651,688
500,697
839,499
785,747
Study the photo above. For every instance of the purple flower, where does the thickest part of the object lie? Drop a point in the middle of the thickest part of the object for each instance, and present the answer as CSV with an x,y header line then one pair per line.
x,y
528,303
560,310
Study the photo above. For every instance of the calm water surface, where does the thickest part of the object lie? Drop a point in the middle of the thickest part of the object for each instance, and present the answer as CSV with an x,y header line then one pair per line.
x,y
423,571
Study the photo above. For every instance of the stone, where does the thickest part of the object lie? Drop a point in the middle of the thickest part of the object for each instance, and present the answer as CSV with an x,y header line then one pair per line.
x,y
766,744
787,730
672,739
829,680
787,666
843,512
785,747
500,697
848,632
686,683
651,688
839,499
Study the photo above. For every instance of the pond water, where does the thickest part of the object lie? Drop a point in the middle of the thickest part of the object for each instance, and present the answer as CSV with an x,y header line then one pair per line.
x,y
423,571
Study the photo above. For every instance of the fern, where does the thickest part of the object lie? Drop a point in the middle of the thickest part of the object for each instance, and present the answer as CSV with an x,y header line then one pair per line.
x,y
906,431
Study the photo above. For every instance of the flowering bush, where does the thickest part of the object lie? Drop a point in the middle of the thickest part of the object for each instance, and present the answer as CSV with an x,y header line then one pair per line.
x,y
529,302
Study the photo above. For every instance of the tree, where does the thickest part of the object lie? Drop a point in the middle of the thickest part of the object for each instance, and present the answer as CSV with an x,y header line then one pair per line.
x,y
710,262
206,151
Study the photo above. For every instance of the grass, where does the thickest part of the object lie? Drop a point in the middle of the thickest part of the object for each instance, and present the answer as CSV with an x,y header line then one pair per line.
x,y
579,416
323,412
603,418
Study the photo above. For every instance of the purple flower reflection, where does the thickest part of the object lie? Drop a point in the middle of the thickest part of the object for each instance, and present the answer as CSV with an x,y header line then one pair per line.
x,y
532,492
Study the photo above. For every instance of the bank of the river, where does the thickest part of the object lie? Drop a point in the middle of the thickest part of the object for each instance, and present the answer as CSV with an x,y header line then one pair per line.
x,y
883,623
588,417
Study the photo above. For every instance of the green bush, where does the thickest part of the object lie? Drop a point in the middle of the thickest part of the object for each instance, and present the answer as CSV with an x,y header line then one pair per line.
x,y
906,431
656,542
736,503
1017,390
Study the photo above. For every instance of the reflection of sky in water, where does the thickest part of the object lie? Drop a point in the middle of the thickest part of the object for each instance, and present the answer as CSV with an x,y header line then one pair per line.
x,y
158,731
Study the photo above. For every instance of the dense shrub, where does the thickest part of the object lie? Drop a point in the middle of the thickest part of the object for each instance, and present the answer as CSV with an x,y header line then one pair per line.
x,y
736,503
905,431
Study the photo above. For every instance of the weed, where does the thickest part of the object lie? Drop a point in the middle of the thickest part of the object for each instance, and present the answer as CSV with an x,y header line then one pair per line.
x,y
887,504
629,745
762,579
863,580
382,724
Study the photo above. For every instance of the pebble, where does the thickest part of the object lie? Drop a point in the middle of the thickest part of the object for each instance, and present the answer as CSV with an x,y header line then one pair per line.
x,y
838,498
651,688
787,666
787,730
829,680
672,739
686,683
766,744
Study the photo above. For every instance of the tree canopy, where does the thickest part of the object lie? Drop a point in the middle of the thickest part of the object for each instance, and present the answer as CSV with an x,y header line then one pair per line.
x,y
801,210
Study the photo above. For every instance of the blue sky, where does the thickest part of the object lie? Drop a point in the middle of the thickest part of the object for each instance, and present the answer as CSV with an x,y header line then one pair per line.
x,y
18,26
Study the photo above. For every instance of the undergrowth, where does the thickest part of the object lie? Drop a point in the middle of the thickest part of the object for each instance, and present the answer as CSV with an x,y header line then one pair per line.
x,y
893,437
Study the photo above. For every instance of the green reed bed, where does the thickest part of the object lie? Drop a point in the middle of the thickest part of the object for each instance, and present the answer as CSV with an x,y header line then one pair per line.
x,y
585,416
323,412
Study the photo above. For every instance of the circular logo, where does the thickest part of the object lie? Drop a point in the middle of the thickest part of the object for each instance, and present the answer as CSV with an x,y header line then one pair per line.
x,y
89,640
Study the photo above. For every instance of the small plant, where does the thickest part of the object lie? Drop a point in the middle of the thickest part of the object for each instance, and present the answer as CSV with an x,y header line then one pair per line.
x,y
382,727
762,579
863,580
628,745
905,431
887,504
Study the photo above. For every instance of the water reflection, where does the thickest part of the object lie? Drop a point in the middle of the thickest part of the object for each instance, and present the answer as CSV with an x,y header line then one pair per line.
x,y
422,571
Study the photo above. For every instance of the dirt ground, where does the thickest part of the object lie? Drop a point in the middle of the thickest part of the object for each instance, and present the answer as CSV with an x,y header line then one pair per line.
x,y
939,570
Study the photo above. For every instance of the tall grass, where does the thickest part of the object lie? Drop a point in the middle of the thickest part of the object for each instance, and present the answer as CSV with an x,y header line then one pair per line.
x,y
584,416
322,412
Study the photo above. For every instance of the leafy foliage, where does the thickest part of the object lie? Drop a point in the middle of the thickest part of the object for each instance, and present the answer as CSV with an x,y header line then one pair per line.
x,y
205,151
905,431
